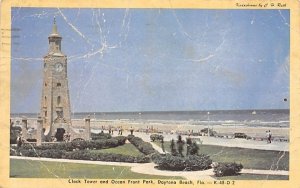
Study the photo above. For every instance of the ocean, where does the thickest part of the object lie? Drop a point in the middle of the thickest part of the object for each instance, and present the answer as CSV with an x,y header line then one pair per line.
x,y
274,117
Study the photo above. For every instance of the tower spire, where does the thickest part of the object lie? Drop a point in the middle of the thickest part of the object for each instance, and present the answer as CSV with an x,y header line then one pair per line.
x,y
54,28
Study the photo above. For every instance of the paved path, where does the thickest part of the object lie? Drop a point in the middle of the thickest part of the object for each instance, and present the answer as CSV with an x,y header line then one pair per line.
x,y
149,168
242,143
195,175
157,148
76,161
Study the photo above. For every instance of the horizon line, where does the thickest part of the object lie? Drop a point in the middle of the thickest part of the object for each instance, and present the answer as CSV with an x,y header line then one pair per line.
x,y
147,111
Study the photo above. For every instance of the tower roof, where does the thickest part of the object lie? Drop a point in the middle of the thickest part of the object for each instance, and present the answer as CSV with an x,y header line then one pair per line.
x,y
54,29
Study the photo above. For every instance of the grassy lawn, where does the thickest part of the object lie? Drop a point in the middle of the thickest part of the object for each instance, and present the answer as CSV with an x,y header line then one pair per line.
x,y
249,158
253,177
41,169
126,149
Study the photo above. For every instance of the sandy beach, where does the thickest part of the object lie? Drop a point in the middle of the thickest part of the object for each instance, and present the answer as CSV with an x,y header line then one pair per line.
x,y
170,130
169,127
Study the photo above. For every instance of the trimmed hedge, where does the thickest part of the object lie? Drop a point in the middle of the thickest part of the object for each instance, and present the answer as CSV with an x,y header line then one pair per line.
x,y
81,155
121,139
100,136
227,169
49,153
176,163
81,145
144,147
112,157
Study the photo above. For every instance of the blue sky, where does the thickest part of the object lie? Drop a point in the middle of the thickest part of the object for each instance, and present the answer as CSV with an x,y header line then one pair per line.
x,y
156,59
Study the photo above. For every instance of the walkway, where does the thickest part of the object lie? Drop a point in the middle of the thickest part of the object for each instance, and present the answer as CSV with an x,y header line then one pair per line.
x,y
149,168
241,143
157,148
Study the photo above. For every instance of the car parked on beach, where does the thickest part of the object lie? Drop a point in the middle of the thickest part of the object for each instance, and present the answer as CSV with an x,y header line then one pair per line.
x,y
240,135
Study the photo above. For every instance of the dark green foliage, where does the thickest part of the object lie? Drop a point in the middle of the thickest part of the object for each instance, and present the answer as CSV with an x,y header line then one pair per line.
x,y
188,141
100,136
48,153
81,144
112,157
154,137
129,137
51,153
28,153
180,145
227,169
13,152
188,145
16,128
81,155
144,147
121,139
13,137
197,162
173,148
14,132
193,149
176,163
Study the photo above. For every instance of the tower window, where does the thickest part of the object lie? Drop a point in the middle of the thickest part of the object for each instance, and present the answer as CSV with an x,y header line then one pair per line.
x,y
45,101
45,113
58,84
45,84
58,100
45,65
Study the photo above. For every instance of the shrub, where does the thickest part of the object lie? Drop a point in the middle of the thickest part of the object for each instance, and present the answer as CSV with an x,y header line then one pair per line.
x,y
51,153
193,149
28,153
173,148
13,139
144,147
100,136
112,157
121,139
180,144
81,145
227,169
129,137
13,152
176,163
14,135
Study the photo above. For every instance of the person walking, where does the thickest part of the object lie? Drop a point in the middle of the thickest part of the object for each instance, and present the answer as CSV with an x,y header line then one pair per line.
x,y
267,136
131,130
270,136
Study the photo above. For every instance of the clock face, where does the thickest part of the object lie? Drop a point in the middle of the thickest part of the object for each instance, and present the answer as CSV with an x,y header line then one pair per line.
x,y
58,67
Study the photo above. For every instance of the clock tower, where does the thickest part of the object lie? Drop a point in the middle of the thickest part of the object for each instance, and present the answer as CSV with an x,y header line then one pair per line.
x,y
55,103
